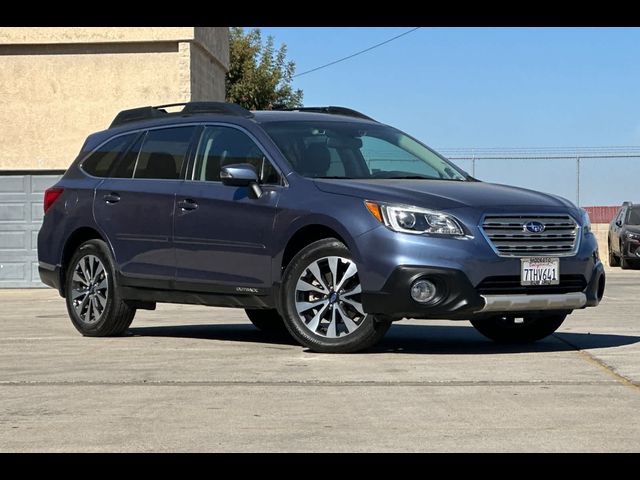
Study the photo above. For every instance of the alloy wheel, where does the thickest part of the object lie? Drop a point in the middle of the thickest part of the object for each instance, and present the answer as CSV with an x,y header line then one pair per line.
x,y
89,289
328,299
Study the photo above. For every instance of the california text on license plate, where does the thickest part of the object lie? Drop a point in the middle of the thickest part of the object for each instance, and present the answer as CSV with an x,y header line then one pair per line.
x,y
540,271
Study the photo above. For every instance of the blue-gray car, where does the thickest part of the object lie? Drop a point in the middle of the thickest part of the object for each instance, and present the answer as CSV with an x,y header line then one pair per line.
x,y
320,222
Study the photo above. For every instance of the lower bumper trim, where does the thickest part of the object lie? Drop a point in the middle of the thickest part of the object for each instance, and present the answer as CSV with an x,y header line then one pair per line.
x,y
518,303
50,275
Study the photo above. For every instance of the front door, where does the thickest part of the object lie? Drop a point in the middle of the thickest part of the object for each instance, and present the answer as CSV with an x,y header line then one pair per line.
x,y
222,234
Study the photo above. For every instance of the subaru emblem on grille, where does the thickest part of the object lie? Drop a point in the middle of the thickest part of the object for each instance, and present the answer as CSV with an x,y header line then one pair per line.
x,y
533,227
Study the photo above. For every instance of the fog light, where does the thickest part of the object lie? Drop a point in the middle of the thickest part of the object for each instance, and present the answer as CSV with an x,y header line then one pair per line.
x,y
423,291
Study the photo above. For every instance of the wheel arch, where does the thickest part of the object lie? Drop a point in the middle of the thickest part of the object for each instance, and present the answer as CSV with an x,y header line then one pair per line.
x,y
74,240
305,236
300,235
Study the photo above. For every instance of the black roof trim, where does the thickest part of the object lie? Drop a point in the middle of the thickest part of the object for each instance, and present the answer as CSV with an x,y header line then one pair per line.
x,y
33,171
332,110
190,108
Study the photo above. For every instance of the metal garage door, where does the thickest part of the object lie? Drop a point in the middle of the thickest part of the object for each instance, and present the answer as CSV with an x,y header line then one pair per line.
x,y
21,195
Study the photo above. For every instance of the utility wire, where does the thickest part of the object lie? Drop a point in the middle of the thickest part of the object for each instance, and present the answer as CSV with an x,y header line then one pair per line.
x,y
356,54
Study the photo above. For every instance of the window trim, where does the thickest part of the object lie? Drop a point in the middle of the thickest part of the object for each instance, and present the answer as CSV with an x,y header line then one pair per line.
x,y
191,169
188,172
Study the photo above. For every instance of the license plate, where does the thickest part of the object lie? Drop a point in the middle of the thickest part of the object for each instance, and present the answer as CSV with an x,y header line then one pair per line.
x,y
540,271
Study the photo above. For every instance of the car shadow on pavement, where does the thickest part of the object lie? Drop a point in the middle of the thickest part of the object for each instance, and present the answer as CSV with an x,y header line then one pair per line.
x,y
414,339
230,332
461,340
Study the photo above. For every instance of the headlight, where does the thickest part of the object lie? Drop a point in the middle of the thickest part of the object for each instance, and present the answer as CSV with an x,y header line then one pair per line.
x,y
632,236
408,219
586,221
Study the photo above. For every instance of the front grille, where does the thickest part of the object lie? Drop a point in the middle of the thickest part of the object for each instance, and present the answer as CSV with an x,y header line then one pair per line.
x,y
510,285
509,238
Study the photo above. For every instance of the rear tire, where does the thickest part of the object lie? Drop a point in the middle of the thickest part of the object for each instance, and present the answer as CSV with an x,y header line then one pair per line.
x,y
503,329
320,299
93,301
268,321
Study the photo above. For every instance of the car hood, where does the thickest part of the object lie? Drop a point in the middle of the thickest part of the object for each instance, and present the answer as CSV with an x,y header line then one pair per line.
x,y
633,228
442,194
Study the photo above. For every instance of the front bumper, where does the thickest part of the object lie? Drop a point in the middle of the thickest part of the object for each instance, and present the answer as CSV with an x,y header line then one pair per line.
x,y
631,249
459,300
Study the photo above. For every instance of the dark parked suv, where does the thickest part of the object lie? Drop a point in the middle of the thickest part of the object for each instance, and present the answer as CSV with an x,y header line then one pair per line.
x,y
624,237
319,220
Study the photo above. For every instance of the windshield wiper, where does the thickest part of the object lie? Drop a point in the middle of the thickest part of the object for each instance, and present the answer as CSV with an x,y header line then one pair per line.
x,y
405,177
418,177
335,177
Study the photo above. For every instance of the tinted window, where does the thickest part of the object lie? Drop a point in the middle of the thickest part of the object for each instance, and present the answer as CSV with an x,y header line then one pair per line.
x,y
335,149
99,163
163,153
634,216
124,167
220,146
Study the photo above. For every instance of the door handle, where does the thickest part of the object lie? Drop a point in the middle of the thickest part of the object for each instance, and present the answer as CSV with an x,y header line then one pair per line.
x,y
111,197
188,204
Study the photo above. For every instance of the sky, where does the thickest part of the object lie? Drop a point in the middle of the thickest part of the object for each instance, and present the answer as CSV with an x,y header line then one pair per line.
x,y
487,88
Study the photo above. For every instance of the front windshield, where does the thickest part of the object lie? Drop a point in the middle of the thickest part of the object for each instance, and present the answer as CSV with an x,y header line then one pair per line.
x,y
634,216
356,150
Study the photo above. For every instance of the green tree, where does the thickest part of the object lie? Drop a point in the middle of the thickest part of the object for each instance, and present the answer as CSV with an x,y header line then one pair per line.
x,y
259,76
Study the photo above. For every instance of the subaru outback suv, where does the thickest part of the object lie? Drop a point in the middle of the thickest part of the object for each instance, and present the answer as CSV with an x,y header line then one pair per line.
x,y
321,221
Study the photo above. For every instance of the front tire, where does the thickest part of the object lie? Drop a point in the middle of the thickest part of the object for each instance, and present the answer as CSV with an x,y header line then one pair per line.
x,y
613,260
93,301
624,263
531,328
320,299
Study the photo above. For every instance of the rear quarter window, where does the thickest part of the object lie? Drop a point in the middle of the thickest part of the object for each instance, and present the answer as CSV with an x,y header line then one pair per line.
x,y
102,159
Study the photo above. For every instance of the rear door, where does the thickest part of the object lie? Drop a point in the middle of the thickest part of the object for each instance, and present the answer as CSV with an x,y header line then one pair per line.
x,y
222,234
134,207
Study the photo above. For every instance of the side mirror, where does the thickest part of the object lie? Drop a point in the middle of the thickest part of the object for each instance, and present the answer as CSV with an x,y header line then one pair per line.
x,y
241,175
619,223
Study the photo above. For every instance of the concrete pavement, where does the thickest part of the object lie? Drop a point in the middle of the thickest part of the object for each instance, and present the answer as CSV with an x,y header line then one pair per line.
x,y
193,378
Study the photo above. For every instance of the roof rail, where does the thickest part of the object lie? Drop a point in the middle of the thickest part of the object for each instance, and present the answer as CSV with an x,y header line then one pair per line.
x,y
190,108
627,204
332,110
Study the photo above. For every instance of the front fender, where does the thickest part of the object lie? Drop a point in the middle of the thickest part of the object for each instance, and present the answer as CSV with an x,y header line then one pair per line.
x,y
350,220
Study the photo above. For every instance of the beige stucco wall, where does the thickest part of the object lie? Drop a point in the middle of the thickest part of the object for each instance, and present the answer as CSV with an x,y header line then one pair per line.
x,y
601,231
203,66
57,85
46,35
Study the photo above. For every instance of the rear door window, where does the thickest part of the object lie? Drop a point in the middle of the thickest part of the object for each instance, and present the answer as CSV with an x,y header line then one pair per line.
x,y
163,153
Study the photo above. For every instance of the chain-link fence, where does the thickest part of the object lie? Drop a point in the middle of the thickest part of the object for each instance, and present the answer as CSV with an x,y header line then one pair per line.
x,y
587,176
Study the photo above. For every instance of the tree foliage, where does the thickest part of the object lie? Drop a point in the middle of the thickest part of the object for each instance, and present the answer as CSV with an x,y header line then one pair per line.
x,y
259,75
